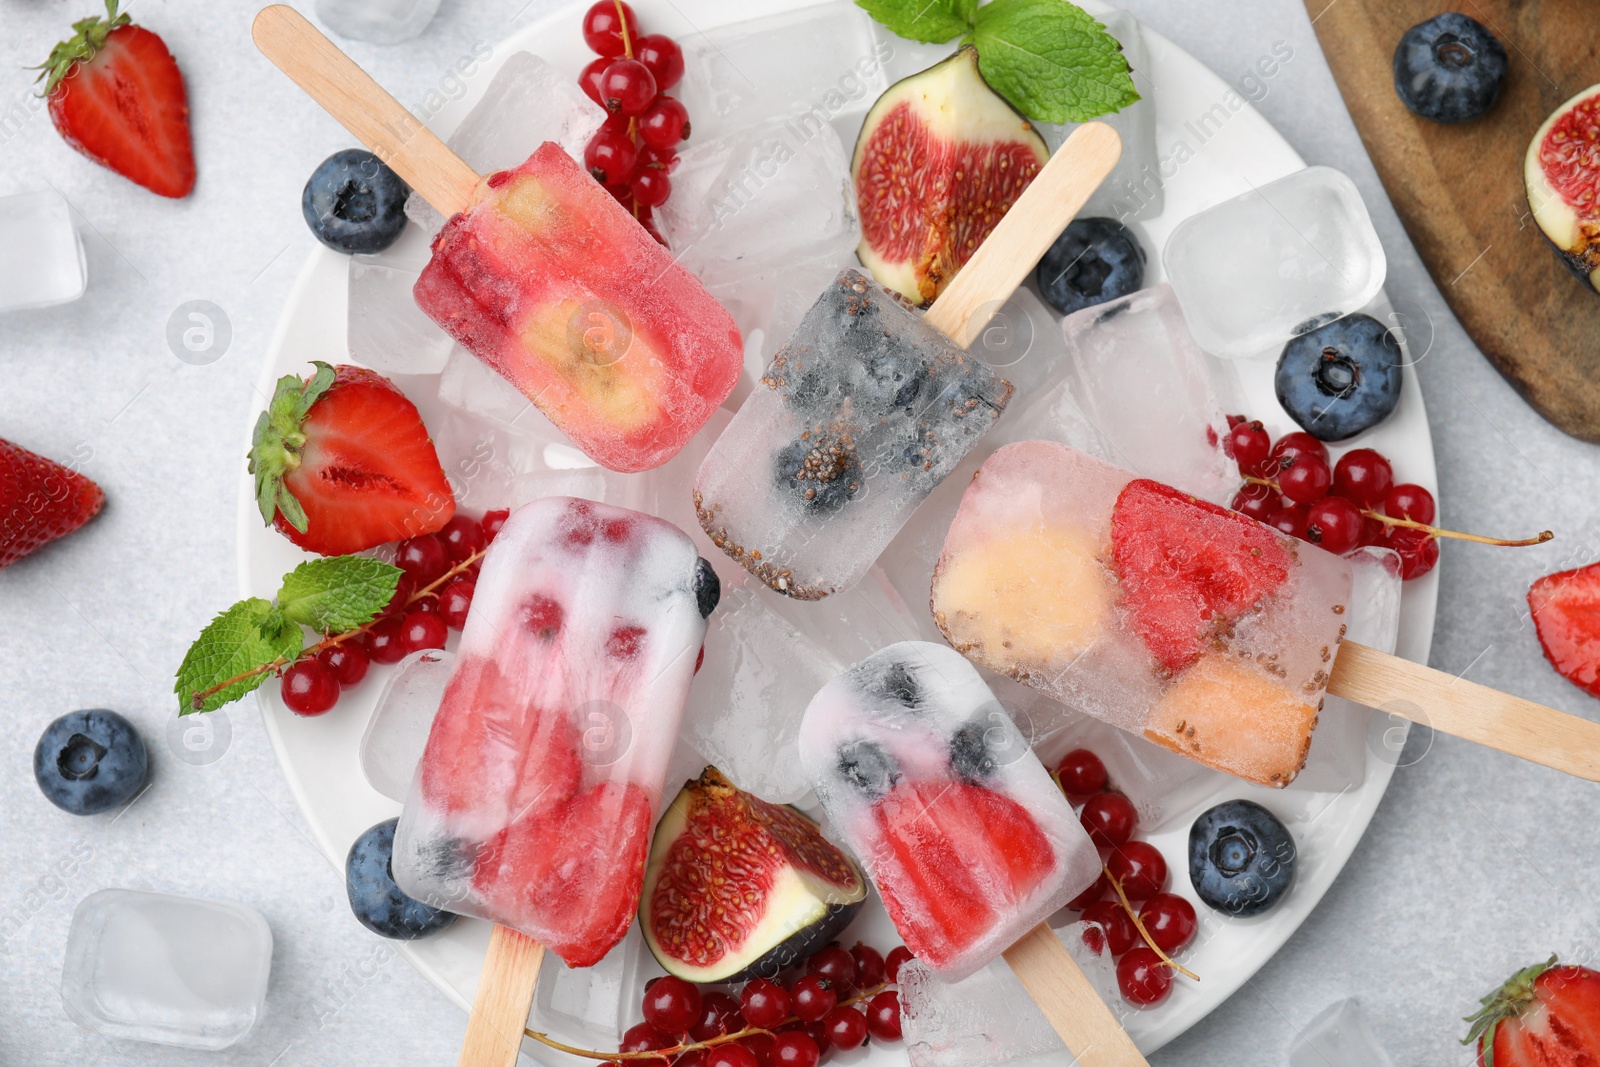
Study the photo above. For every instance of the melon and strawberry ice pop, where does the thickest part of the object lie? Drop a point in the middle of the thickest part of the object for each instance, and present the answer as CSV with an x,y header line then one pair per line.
x,y
932,786
543,774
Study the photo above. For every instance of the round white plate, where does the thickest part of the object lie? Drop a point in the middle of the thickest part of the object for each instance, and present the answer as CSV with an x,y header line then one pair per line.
x,y
319,756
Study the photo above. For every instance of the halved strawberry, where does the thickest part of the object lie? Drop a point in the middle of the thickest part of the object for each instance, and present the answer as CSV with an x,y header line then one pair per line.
x,y
1188,568
40,500
343,463
959,855
1544,1016
117,96
1566,616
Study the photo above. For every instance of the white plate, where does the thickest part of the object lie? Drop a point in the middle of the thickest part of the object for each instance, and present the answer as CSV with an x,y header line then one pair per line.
x,y
319,756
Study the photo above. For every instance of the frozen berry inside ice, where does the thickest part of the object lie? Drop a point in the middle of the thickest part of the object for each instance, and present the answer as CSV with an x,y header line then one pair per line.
x,y
87,762
821,472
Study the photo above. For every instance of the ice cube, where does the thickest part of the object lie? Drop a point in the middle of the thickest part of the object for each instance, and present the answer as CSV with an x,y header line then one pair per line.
x,y
485,462
1131,364
385,330
41,254
759,198
398,730
378,21
1251,269
1159,782
1339,1037
592,1005
1338,756
902,58
525,104
166,969
817,64
768,307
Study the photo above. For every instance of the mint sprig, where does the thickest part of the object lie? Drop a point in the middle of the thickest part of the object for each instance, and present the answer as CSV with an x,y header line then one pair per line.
x,y
238,649
1050,58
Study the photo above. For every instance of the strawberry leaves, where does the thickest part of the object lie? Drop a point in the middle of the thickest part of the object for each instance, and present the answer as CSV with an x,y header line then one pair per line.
x,y
276,443
88,37
1508,1002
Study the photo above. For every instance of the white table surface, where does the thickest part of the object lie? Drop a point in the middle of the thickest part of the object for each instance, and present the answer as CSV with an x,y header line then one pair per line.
x,y
1475,865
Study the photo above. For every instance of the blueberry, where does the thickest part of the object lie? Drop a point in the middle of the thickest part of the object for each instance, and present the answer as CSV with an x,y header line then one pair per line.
x,y
868,766
822,470
707,587
1449,69
354,203
377,902
970,757
899,683
87,762
1241,858
1340,378
1093,261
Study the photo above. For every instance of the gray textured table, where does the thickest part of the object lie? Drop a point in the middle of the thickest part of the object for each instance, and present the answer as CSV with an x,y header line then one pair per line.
x,y
1475,864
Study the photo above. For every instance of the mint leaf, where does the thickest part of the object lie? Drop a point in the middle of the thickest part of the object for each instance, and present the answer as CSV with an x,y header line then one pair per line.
x,y
932,21
1051,60
248,635
338,593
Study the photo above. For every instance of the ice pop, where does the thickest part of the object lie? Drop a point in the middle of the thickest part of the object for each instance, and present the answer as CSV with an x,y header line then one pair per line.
x,y
534,800
931,785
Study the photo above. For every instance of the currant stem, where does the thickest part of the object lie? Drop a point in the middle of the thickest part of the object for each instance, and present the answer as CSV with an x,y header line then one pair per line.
x,y
1412,524
1138,924
627,41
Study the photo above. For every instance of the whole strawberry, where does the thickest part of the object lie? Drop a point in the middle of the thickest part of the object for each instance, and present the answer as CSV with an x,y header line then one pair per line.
x,y
343,463
40,500
117,96
1544,1016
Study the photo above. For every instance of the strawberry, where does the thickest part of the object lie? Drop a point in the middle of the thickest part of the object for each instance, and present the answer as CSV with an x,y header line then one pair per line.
x,y
1566,616
1188,568
1544,1016
117,96
40,500
343,463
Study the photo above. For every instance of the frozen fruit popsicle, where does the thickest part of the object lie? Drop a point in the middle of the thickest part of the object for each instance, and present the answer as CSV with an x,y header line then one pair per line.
x,y
533,803
931,785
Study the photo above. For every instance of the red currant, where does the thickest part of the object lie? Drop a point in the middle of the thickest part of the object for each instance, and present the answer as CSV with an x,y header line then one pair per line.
x,y
764,1003
1110,819
663,56
695,1057
610,156
651,187
847,1028
589,78
1409,501
719,1014
1298,443
1092,894
671,1005
423,558
1143,978
1257,501
883,1016
1334,523
1139,868
348,660
663,159
761,1046
1290,520
422,629
1114,920
664,123
1418,550
309,688
1249,444
384,642
642,1037
1305,478
795,1049
1170,921
462,537
602,30
492,521
455,601
812,997
399,604
1374,532
869,966
836,965
894,961
732,1054
627,87
1363,477
1082,774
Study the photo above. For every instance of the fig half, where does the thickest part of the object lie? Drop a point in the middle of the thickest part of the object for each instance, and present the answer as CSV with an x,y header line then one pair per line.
x,y
737,888
1562,172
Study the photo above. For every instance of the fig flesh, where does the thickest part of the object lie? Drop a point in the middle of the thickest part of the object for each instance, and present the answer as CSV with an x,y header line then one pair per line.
x,y
1562,172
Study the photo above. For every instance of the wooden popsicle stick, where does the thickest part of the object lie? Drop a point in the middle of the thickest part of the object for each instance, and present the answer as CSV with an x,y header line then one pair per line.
x,y
1073,1008
377,119
1467,710
1025,232
505,996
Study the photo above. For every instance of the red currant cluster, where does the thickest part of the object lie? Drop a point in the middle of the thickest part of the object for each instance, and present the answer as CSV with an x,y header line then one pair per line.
x,y
431,598
1166,921
835,1001
632,154
1292,485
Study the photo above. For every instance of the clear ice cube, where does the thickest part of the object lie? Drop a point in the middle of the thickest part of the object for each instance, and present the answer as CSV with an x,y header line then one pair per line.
x,y
1339,1037
592,1005
166,969
1251,269
768,307
41,253
398,730
378,21
525,104
384,328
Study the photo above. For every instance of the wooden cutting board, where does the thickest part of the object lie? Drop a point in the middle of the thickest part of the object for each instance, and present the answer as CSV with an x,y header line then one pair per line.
x,y
1459,190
